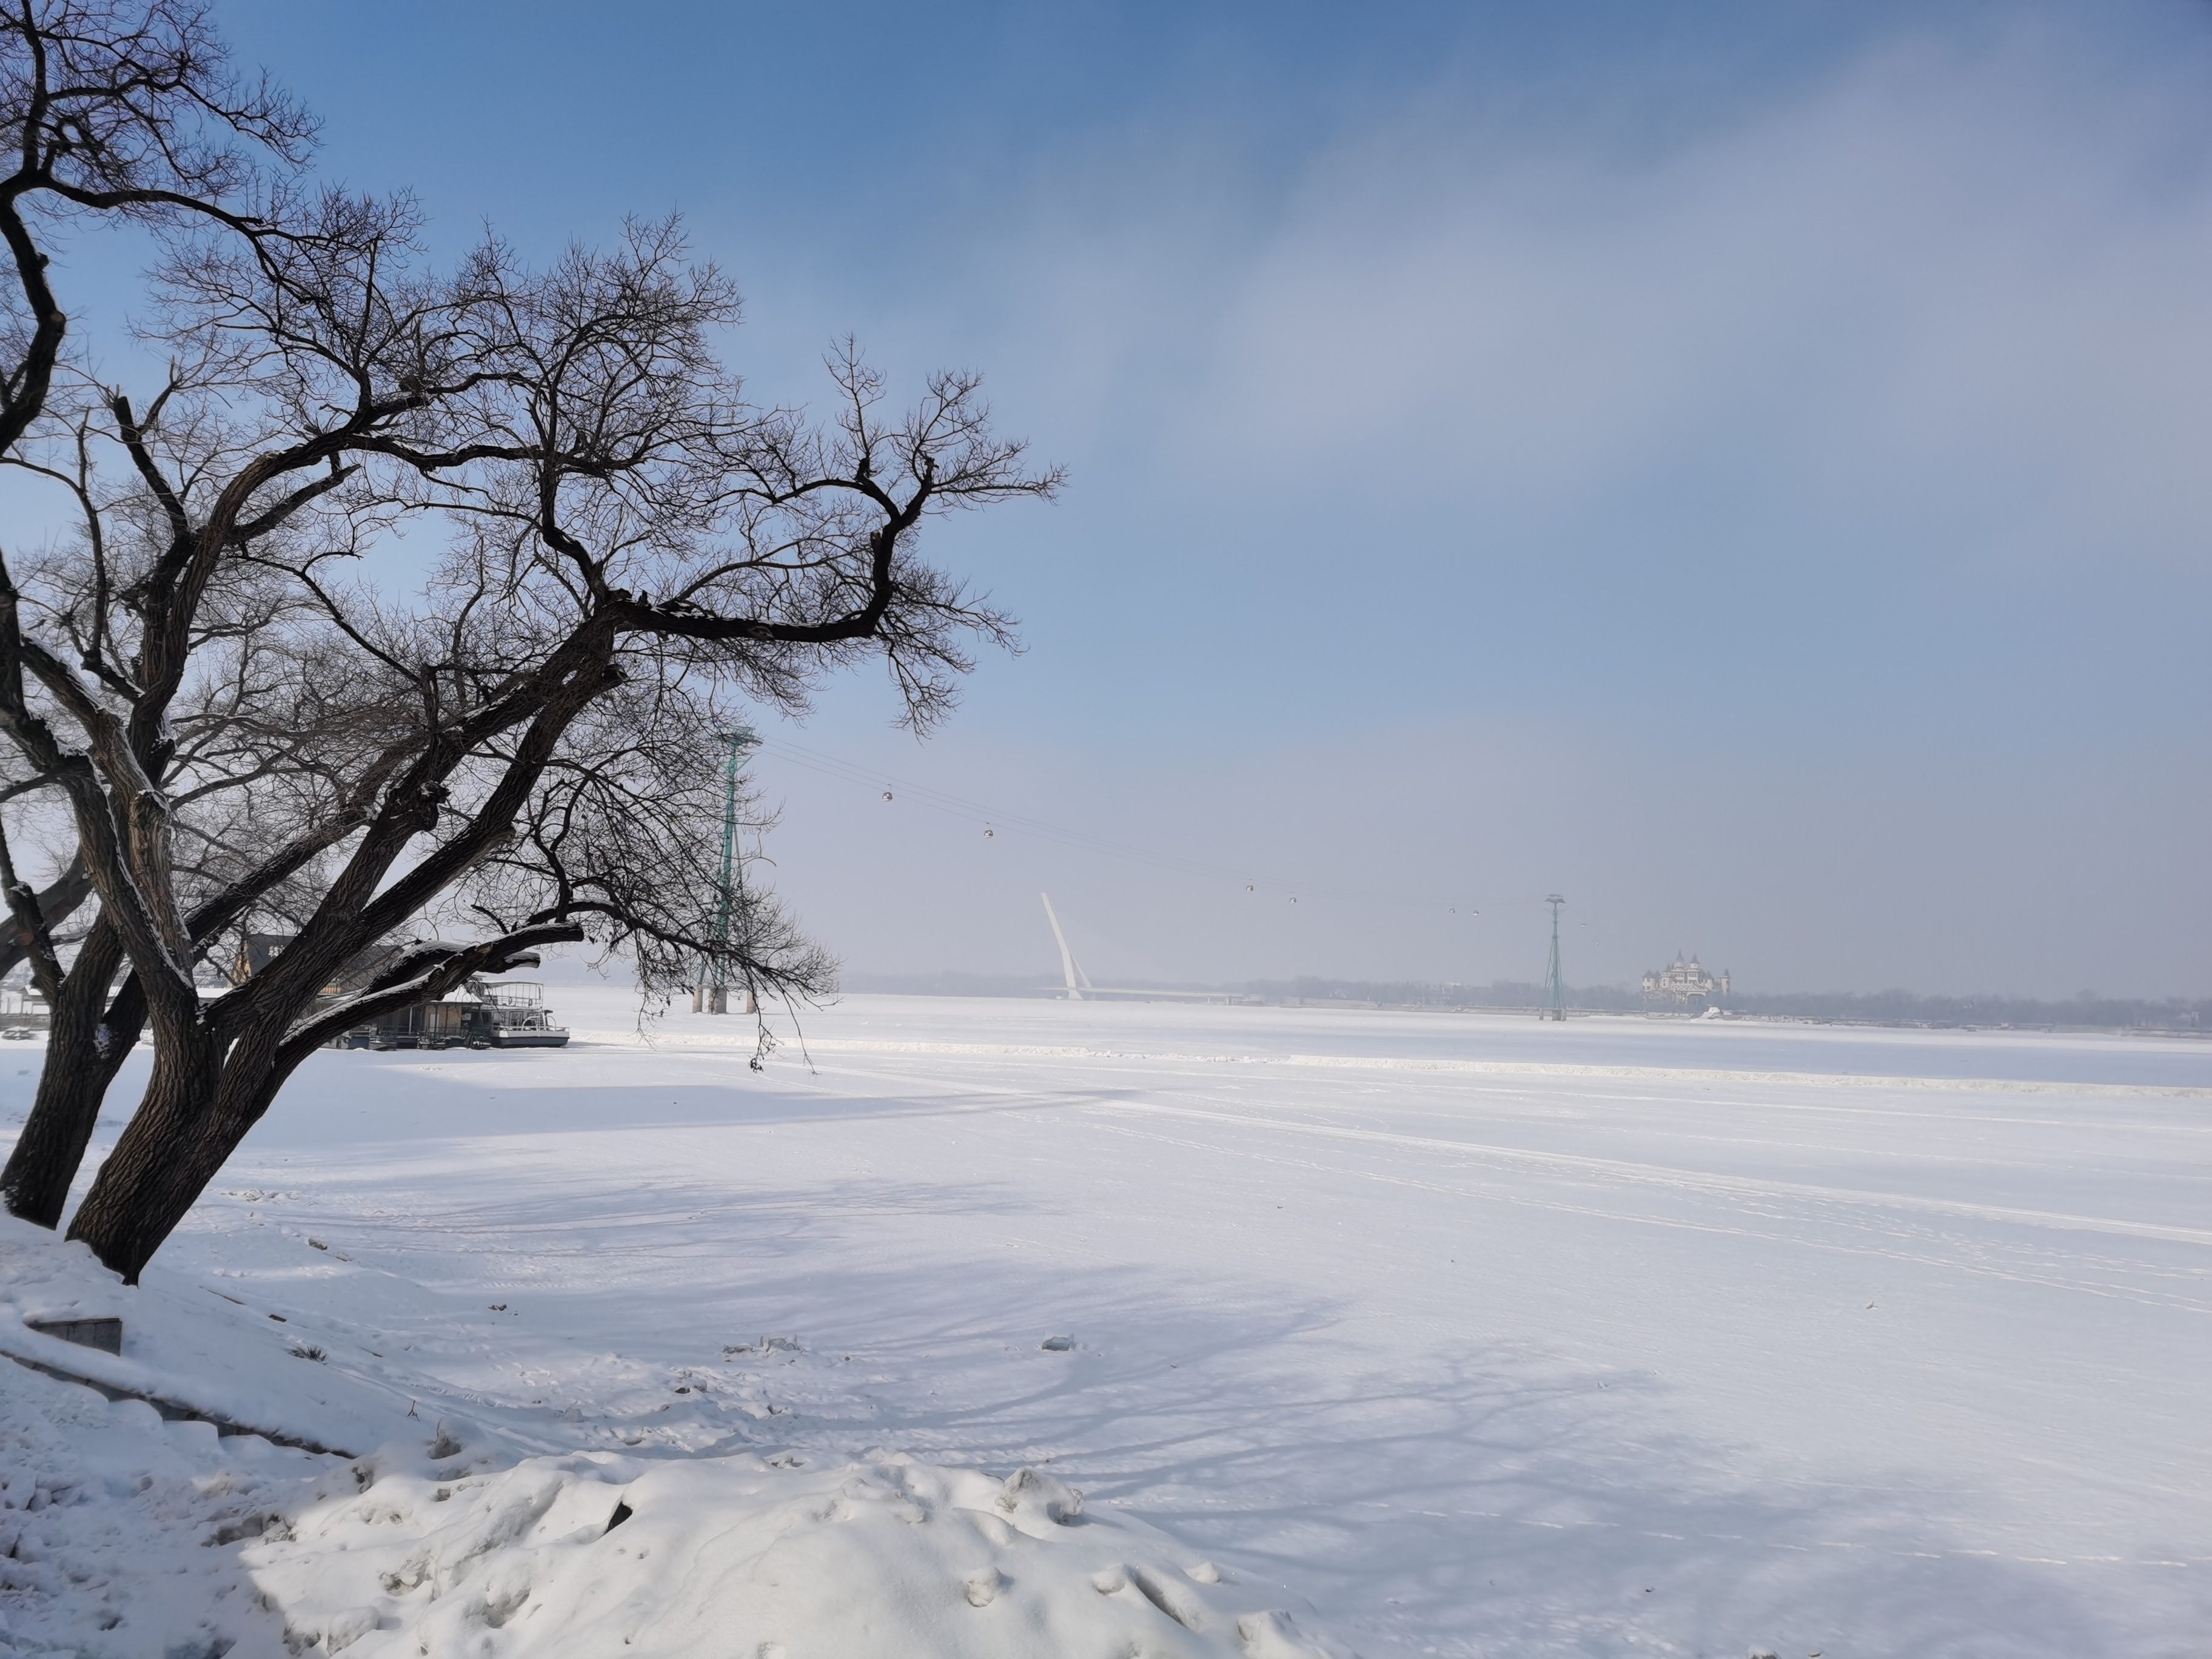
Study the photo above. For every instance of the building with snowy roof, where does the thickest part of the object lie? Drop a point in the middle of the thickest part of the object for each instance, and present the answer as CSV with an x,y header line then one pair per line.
x,y
1685,987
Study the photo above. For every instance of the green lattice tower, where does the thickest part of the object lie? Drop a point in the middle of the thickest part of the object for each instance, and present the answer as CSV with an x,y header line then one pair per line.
x,y
1558,990
741,738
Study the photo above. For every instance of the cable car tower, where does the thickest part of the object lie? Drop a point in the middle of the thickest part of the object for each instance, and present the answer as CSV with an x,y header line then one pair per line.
x,y
714,990
1558,1008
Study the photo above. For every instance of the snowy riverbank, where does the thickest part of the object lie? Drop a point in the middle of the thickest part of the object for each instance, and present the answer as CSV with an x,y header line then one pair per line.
x,y
1488,1337
123,1533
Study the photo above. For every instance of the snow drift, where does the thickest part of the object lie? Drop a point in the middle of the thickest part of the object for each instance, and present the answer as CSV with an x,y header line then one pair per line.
x,y
766,1559
123,1535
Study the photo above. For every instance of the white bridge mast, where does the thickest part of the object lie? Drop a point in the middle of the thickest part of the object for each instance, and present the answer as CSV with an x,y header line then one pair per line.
x,y
1077,980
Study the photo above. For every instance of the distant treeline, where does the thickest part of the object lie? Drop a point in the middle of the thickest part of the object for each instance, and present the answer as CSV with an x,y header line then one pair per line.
x,y
1872,1007
1895,1007
1876,1007
1422,994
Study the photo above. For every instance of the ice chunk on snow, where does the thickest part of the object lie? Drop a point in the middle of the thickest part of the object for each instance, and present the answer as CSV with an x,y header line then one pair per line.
x,y
1028,1494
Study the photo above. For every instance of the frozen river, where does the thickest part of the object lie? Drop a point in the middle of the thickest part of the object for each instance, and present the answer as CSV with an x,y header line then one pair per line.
x,y
1489,1336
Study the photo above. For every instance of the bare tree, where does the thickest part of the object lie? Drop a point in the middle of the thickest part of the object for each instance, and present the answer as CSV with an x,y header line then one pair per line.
x,y
231,715
636,550
154,673
126,108
623,832
157,632
116,109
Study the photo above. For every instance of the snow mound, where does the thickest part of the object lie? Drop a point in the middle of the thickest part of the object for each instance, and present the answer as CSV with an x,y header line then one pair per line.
x,y
300,1378
752,1557
118,1530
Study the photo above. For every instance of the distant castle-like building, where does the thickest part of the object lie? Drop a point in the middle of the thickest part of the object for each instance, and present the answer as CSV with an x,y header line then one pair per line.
x,y
1685,986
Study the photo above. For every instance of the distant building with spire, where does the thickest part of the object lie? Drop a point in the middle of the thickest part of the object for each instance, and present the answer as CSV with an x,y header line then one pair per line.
x,y
1685,987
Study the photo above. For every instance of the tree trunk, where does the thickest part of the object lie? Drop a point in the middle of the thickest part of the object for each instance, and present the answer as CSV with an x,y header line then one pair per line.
x,y
210,1086
89,1042
199,1104
168,1152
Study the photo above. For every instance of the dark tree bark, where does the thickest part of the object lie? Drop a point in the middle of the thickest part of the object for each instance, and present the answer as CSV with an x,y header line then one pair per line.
x,y
51,905
175,764
89,1039
121,108
203,1100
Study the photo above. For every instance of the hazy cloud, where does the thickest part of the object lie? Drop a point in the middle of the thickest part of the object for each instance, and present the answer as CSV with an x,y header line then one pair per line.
x,y
1786,532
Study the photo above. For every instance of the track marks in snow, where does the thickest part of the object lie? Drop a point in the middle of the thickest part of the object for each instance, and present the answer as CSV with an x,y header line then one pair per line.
x,y
1802,1225
1620,1169
1692,1075
1895,1226
1549,1070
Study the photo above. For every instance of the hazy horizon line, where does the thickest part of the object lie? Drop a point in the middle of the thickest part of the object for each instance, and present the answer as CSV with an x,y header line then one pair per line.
x,y
1314,985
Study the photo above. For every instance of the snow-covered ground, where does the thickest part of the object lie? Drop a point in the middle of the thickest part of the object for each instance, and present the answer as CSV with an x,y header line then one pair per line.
x,y
1483,1336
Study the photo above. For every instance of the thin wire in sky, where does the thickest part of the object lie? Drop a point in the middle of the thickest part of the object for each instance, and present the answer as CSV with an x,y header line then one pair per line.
x,y
994,819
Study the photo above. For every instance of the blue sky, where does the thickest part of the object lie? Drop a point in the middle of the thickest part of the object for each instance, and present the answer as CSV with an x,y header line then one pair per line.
x,y
1742,466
